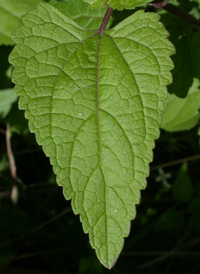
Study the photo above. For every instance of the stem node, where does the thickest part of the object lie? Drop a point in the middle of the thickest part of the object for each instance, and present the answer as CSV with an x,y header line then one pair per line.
x,y
105,20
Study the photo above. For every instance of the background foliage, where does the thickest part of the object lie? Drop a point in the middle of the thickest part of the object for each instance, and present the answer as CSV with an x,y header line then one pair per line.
x,y
38,231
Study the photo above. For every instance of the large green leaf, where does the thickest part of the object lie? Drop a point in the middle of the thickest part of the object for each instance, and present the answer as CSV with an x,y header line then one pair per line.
x,y
11,13
95,101
117,4
182,114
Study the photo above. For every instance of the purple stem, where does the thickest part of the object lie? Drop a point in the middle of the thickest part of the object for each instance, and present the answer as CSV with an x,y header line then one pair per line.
x,y
105,20
177,11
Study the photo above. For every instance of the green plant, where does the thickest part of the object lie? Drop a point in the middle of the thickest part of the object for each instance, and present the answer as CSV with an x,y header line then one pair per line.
x,y
94,99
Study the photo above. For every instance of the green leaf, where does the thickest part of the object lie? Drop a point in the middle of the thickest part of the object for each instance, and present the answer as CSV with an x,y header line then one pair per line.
x,y
187,57
169,220
4,79
194,206
11,13
89,265
7,98
15,221
198,1
117,4
188,5
182,114
182,188
194,222
194,210
81,13
96,3
16,120
95,101
6,254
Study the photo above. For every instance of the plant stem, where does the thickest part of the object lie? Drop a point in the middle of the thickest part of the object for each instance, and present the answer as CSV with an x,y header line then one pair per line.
x,y
192,158
11,158
105,20
177,11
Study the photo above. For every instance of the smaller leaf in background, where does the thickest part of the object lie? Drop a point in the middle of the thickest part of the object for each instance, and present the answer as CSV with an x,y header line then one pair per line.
x,y
194,206
182,114
4,164
195,9
15,221
187,57
194,210
16,120
96,3
7,98
6,254
174,2
185,4
84,265
199,131
117,4
11,13
197,1
81,13
5,81
194,222
87,264
182,187
169,220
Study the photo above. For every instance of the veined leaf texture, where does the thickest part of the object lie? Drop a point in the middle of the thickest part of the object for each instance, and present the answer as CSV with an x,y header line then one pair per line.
x,y
94,101
11,13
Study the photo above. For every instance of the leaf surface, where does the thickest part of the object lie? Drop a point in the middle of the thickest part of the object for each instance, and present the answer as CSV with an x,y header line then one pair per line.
x,y
182,113
11,13
117,4
81,13
95,103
